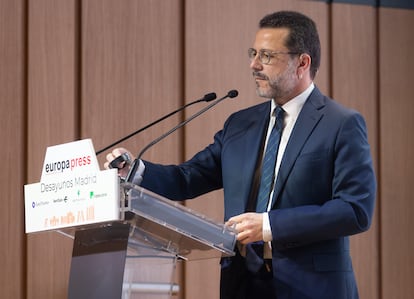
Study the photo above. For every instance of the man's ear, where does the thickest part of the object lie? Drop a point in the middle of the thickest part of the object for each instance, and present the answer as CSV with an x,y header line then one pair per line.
x,y
304,65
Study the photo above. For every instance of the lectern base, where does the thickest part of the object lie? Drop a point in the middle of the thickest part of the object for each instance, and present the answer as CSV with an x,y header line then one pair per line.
x,y
149,277
107,263
98,262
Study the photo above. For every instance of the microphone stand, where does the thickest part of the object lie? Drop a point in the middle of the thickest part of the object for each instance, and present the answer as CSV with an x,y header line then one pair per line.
x,y
133,169
207,98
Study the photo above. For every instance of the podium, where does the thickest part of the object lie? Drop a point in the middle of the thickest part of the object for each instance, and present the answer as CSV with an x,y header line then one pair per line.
x,y
136,256
127,240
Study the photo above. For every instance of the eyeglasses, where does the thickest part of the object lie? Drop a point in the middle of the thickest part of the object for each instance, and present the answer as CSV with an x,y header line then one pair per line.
x,y
265,55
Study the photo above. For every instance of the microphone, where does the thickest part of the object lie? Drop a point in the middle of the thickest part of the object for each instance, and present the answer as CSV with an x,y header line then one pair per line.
x,y
231,94
206,98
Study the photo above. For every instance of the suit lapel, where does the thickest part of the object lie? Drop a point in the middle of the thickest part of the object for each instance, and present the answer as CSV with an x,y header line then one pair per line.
x,y
307,120
253,143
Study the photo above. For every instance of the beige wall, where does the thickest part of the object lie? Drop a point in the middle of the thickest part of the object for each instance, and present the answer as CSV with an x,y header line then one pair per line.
x,y
101,69
13,148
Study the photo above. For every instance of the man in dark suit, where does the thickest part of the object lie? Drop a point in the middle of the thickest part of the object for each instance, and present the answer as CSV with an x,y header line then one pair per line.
x,y
322,186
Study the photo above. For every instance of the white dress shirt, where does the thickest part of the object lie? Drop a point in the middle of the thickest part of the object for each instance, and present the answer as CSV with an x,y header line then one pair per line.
x,y
292,110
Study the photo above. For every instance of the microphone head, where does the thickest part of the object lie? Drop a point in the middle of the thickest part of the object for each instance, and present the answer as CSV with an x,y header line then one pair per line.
x,y
232,93
209,97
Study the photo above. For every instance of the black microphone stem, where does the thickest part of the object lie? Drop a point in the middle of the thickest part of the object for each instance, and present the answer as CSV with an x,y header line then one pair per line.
x,y
231,94
207,98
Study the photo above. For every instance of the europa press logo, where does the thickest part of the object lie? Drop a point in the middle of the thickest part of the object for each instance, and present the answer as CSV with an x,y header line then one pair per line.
x,y
67,165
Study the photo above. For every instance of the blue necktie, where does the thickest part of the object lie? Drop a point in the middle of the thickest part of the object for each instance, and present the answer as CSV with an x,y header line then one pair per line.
x,y
269,162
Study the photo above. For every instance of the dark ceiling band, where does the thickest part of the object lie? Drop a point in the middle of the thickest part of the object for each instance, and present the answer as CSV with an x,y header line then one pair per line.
x,y
404,4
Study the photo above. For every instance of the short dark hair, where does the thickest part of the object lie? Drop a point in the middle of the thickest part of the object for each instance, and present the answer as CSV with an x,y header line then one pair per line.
x,y
303,37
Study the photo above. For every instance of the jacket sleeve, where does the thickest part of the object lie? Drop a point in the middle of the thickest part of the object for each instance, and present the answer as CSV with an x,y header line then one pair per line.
x,y
199,175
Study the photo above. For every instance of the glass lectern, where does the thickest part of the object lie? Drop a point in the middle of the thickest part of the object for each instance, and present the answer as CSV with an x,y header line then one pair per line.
x,y
136,256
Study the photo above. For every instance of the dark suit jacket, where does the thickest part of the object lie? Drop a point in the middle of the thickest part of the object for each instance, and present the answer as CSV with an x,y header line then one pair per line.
x,y
325,190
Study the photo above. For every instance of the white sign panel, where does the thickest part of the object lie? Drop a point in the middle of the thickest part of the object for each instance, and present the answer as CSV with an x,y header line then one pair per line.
x,y
72,191
63,159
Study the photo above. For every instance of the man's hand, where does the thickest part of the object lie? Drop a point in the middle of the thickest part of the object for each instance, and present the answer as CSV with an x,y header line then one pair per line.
x,y
249,227
123,166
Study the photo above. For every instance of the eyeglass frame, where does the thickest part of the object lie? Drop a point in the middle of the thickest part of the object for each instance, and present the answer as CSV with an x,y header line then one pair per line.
x,y
271,54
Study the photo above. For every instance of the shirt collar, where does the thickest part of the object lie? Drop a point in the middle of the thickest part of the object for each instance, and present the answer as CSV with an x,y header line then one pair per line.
x,y
293,107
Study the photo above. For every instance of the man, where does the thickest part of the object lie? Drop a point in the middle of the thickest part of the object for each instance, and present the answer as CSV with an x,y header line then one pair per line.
x,y
292,237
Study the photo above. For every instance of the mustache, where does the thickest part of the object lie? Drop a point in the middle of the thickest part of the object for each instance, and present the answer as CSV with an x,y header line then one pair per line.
x,y
260,76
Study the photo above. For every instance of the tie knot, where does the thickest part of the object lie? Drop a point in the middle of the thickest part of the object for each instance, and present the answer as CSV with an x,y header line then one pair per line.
x,y
278,112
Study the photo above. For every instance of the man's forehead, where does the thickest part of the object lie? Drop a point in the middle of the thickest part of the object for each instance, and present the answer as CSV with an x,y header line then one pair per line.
x,y
271,37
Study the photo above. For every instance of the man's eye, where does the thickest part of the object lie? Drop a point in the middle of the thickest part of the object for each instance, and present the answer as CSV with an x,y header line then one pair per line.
x,y
252,53
266,56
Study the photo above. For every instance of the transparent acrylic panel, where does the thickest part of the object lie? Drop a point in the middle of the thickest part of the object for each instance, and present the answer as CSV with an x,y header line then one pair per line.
x,y
173,228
